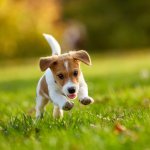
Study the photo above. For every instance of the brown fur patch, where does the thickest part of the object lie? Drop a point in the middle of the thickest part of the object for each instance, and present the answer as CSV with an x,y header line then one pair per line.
x,y
60,68
43,87
73,65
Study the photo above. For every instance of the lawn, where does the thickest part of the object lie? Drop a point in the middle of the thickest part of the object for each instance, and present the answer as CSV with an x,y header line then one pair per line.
x,y
119,118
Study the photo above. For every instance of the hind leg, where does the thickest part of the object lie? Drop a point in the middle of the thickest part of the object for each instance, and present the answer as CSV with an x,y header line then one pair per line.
x,y
57,112
40,105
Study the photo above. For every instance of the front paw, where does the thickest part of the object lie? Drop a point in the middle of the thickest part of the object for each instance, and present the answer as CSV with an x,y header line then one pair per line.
x,y
68,106
86,100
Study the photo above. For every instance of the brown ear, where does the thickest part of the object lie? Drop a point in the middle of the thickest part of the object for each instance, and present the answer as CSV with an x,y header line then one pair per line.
x,y
46,62
82,55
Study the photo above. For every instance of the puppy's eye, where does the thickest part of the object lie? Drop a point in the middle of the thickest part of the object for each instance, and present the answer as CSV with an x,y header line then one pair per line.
x,y
61,76
75,73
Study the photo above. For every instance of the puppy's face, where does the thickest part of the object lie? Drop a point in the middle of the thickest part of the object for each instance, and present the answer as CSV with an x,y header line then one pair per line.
x,y
66,70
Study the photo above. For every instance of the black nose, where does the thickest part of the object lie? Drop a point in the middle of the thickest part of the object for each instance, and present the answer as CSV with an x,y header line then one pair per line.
x,y
71,90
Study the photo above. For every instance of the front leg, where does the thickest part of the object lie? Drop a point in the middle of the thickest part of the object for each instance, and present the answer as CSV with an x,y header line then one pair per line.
x,y
83,92
60,100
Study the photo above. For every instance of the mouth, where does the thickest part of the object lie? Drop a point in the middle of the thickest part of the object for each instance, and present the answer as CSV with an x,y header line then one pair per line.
x,y
72,96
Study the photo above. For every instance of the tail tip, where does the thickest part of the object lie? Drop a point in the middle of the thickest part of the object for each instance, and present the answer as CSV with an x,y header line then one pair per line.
x,y
56,49
46,35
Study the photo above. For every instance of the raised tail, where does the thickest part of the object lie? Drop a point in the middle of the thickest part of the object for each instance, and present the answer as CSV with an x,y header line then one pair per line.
x,y
56,50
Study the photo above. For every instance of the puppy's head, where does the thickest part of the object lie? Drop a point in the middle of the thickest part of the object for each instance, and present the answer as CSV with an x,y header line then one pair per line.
x,y
66,70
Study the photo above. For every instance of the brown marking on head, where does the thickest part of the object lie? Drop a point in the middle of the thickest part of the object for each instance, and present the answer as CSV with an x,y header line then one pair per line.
x,y
65,68
43,87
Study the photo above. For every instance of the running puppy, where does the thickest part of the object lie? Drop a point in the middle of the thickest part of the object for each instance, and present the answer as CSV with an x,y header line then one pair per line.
x,y
62,80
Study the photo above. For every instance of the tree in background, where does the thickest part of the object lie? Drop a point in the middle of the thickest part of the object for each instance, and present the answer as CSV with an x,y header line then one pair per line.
x,y
22,23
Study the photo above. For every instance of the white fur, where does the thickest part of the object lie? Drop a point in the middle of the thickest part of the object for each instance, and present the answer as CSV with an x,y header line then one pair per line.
x,y
66,65
56,50
40,105
83,88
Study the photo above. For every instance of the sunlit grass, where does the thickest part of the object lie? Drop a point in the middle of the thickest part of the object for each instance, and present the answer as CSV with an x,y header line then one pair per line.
x,y
120,86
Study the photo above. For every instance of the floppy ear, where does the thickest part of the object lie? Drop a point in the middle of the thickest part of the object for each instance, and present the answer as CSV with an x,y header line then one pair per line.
x,y
46,62
82,55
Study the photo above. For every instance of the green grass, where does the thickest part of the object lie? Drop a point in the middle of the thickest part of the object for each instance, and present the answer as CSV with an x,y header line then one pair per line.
x,y
120,86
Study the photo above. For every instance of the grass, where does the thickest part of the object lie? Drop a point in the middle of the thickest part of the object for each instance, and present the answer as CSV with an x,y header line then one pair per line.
x,y
120,86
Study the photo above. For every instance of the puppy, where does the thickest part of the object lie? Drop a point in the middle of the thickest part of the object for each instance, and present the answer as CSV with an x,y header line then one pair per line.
x,y
62,80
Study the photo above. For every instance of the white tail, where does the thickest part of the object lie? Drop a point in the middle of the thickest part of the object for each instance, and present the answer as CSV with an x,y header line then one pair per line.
x,y
56,50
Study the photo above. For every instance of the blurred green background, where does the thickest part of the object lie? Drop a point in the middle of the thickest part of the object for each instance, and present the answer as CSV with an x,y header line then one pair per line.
x,y
104,25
